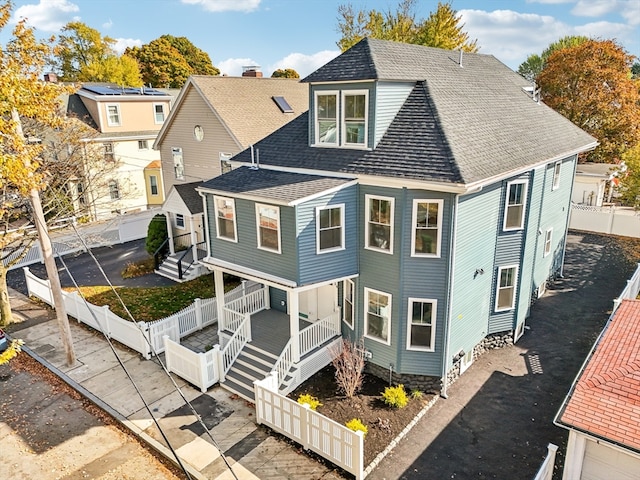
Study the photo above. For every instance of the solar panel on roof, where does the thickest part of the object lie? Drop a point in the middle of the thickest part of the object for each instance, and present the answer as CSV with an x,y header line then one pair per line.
x,y
283,104
151,91
100,90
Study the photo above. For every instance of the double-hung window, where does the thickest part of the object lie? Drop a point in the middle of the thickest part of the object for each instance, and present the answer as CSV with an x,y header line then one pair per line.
x,y
153,184
556,176
113,115
349,295
506,288
379,223
378,315
354,113
326,118
515,205
114,190
226,218
547,241
427,228
109,155
268,226
329,228
422,324
178,163
179,220
158,113
143,145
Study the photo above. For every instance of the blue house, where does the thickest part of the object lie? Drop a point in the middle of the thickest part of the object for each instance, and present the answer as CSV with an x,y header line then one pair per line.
x,y
420,204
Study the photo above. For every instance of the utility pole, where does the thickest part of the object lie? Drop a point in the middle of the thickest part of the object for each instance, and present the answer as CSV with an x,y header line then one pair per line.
x,y
47,254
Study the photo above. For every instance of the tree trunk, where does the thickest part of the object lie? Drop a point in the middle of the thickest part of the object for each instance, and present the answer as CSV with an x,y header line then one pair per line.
x,y
6,317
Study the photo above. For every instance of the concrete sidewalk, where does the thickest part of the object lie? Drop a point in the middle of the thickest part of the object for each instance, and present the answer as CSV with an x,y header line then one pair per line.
x,y
250,449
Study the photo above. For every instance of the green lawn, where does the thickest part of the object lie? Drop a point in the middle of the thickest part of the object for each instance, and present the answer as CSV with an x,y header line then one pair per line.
x,y
153,303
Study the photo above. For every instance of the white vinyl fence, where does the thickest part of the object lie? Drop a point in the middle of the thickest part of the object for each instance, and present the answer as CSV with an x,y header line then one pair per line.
x,y
546,469
201,369
630,291
610,220
121,229
335,442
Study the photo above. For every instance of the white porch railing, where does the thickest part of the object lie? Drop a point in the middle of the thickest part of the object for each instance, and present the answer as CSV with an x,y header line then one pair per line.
x,y
234,346
333,441
319,332
546,469
235,310
630,291
201,369
284,363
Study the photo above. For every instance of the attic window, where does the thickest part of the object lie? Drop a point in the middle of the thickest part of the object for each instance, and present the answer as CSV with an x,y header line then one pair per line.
x,y
283,104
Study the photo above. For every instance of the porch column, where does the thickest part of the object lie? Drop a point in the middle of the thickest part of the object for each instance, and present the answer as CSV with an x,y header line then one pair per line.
x,y
218,282
294,323
194,238
167,218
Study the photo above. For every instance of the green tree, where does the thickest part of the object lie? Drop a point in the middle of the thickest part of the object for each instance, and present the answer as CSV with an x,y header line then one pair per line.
x,y
534,63
197,59
121,70
285,73
441,29
629,177
635,70
591,85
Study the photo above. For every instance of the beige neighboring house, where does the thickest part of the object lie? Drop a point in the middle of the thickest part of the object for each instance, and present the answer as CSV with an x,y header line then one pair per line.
x,y
213,119
594,184
126,122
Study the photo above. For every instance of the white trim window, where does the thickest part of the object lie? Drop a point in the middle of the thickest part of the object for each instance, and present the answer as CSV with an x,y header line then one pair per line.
x,y
354,117
379,223
158,113
506,288
113,114
514,207
548,235
427,228
114,190
377,322
153,185
143,145
349,300
329,228
225,211
109,154
178,163
421,330
326,121
225,162
180,220
268,227
556,175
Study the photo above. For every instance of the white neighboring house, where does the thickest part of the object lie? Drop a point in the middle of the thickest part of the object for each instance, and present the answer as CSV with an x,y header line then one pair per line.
x,y
594,183
126,122
602,410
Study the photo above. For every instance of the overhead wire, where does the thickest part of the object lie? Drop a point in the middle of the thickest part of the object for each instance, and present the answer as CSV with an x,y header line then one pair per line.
x,y
151,347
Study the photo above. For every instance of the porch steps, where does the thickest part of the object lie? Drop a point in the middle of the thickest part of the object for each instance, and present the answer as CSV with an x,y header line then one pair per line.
x,y
169,269
252,364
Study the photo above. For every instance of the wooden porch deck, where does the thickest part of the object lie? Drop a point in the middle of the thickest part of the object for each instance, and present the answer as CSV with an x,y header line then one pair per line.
x,y
270,330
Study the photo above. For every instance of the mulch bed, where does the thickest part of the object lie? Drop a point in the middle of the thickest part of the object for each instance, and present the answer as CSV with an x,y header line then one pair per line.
x,y
383,422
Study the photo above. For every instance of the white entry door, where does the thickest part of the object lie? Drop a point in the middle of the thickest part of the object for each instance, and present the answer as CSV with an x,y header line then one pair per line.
x,y
318,303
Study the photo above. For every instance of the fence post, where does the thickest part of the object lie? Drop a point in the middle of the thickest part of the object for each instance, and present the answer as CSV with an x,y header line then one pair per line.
x,y
219,362
105,328
305,421
167,353
267,300
26,277
198,308
143,328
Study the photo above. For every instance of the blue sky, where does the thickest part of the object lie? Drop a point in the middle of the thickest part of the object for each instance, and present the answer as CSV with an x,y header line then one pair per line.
x,y
302,34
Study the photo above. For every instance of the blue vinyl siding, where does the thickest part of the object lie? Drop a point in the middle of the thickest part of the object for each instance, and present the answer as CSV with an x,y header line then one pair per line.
x,y
478,221
389,98
314,267
245,252
276,299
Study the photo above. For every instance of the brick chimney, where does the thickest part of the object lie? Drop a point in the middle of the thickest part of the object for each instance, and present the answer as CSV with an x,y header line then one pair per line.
x,y
252,71
51,77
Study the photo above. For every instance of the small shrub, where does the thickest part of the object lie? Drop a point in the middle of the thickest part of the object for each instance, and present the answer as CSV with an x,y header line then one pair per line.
x,y
357,426
395,397
156,233
416,394
310,400
348,359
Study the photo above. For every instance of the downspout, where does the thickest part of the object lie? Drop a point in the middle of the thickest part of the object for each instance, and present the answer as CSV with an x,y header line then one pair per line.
x,y
450,283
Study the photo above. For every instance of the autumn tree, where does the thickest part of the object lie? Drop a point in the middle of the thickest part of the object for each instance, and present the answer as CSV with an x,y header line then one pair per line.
x,y
629,177
168,61
534,63
24,95
285,73
591,85
84,55
442,29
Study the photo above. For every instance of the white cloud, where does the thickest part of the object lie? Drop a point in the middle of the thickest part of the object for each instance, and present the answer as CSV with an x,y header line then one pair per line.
x,y
226,5
107,25
304,64
122,43
595,8
233,66
48,15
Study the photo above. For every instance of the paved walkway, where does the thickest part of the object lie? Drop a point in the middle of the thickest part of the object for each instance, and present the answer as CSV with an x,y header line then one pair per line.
x,y
250,450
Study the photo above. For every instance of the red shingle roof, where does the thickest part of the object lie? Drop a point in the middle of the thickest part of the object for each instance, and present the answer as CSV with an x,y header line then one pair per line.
x,y
606,398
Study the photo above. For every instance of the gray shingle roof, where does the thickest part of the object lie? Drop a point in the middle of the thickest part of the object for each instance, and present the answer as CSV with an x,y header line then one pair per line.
x,y
272,185
190,196
461,124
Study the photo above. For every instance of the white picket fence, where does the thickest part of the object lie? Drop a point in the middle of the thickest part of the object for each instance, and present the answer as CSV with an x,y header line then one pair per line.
x,y
121,229
610,220
335,442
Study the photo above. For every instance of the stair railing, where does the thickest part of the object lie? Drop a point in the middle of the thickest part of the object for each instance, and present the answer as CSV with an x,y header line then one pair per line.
x,y
234,346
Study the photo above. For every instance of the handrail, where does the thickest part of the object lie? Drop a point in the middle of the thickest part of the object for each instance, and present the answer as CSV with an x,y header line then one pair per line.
x,y
319,332
180,273
284,363
157,254
236,343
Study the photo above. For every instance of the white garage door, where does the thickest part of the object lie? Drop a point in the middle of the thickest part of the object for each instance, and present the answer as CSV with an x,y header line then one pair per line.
x,y
602,462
